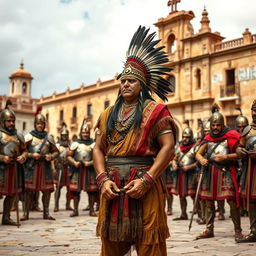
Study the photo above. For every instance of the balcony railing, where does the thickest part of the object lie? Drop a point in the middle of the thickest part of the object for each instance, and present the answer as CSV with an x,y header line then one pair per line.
x,y
230,90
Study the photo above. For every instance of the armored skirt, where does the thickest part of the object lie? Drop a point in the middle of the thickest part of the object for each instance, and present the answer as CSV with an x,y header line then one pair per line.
x,y
65,176
8,179
126,219
40,177
247,186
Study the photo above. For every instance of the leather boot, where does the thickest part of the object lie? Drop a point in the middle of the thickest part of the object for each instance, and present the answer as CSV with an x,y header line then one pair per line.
x,y
57,199
235,215
6,218
76,204
27,205
46,201
209,215
169,204
35,202
91,204
183,206
68,206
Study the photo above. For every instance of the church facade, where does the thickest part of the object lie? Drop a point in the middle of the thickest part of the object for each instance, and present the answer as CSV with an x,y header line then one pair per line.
x,y
205,69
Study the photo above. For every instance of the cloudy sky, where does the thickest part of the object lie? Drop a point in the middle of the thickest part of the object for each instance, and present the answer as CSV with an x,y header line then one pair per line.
x,y
68,42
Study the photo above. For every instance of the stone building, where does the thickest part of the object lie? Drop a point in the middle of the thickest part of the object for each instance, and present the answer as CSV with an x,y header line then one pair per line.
x,y
23,104
206,69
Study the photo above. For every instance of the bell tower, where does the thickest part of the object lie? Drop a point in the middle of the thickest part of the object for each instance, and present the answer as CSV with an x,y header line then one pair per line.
x,y
20,84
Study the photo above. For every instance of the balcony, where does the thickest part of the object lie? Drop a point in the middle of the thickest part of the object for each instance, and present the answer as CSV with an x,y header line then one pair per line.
x,y
230,92
73,122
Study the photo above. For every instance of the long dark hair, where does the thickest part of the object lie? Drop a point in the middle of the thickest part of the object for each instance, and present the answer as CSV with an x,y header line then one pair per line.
x,y
144,95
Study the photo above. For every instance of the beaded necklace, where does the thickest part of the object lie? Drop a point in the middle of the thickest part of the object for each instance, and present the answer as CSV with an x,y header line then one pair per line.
x,y
124,122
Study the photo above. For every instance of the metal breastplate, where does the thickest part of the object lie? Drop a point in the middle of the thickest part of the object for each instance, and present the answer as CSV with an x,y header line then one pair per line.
x,y
250,143
63,152
83,153
36,144
10,145
187,159
221,149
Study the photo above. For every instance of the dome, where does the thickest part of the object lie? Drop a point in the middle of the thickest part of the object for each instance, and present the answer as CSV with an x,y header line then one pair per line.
x,y
21,73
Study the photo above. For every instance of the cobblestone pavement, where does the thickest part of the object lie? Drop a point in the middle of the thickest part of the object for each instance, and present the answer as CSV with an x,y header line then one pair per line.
x,y
76,236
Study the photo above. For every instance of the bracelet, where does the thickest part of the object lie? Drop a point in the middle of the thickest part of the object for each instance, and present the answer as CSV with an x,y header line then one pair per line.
x,y
100,174
101,178
147,180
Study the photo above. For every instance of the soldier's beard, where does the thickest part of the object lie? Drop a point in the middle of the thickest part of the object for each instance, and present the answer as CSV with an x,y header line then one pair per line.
x,y
10,129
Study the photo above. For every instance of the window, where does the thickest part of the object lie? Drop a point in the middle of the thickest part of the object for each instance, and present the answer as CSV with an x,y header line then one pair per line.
x,y
172,81
74,112
230,77
47,117
24,88
89,110
198,79
23,126
61,115
106,104
171,44
12,87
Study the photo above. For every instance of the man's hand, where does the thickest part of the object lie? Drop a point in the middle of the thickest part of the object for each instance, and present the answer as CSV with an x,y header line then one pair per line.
x,y
242,152
87,163
175,167
21,159
36,156
48,157
220,158
77,164
109,190
136,188
204,161
7,159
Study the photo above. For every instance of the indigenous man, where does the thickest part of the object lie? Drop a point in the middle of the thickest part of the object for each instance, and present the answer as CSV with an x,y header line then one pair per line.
x,y
62,168
83,174
217,155
134,145
38,172
12,154
183,165
247,149
240,123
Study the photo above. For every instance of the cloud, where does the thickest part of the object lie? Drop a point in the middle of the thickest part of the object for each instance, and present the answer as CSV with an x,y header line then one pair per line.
x,y
64,43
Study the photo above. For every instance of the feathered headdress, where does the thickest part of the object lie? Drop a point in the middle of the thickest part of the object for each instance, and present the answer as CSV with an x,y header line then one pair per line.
x,y
38,110
215,108
145,62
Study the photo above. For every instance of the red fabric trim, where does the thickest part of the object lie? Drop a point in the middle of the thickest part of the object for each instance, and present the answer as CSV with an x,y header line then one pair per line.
x,y
184,148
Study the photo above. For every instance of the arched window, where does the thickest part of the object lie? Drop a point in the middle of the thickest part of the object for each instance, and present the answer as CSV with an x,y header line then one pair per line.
x,y
172,81
171,44
198,79
24,88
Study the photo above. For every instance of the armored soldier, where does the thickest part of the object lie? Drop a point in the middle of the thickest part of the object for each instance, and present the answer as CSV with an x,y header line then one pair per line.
x,y
217,155
240,123
83,174
12,155
247,150
38,172
62,168
183,166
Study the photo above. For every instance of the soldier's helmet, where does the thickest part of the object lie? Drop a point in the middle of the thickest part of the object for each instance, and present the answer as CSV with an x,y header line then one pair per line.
x,y
216,117
241,120
6,113
187,132
206,126
39,117
64,130
84,127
